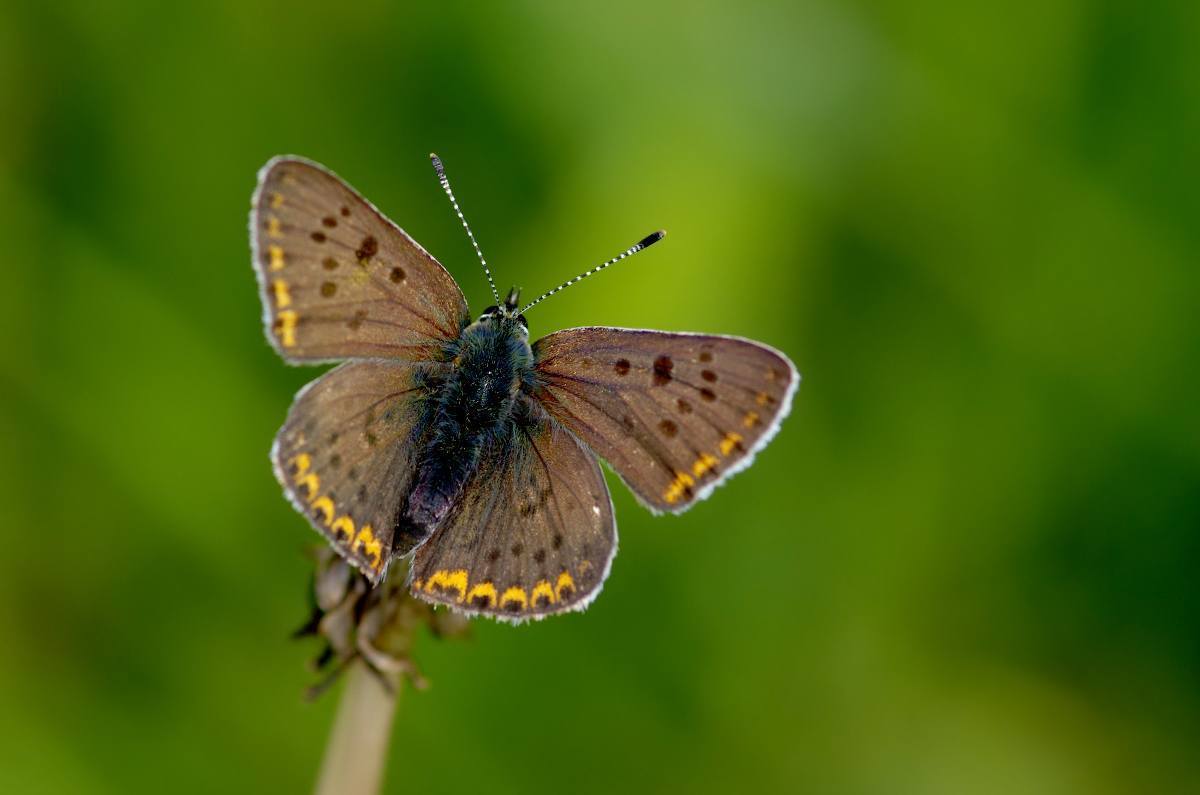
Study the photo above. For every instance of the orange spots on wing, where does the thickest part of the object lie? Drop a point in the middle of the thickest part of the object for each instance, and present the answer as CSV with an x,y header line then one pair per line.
x,y
343,525
283,298
370,545
704,463
680,486
564,586
514,599
323,505
482,594
751,419
342,529
542,594
285,326
311,484
301,463
444,580
731,442
276,200
276,255
274,229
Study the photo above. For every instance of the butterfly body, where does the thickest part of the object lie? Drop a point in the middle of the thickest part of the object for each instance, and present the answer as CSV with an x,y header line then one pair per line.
x,y
461,444
473,407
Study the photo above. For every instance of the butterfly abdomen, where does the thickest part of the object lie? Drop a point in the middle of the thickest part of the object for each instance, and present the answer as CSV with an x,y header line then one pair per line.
x,y
472,407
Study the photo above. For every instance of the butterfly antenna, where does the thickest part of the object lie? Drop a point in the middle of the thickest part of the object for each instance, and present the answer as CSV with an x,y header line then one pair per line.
x,y
645,242
441,174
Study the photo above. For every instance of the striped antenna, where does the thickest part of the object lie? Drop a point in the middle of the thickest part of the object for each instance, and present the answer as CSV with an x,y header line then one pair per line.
x,y
441,174
645,242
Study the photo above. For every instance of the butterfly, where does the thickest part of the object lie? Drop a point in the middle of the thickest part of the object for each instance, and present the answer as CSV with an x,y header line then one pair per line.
x,y
456,441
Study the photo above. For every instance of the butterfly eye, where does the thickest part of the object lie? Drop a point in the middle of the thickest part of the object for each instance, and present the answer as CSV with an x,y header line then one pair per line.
x,y
490,313
524,323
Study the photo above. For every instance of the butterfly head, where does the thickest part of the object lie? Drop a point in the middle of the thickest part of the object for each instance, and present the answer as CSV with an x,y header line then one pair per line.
x,y
506,314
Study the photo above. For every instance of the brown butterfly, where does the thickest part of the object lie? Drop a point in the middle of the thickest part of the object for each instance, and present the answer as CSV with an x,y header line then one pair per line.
x,y
459,442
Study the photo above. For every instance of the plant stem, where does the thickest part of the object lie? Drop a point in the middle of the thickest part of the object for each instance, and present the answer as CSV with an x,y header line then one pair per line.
x,y
358,743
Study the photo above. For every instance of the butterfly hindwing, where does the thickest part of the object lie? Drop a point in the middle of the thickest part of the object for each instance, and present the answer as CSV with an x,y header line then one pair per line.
x,y
337,279
672,414
347,453
533,534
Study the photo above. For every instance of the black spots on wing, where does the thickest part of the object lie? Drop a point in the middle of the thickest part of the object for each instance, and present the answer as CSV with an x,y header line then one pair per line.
x,y
345,211
517,549
481,601
542,600
668,428
318,236
335,461
534,504
367,249
709,376
539,556
708,395
514,606
329,263
621,367
565,591
684,406
361,495
352,473
493,555
627,422
371,438
310,427
355,323
333,437
328,289
397,275
662,370
706,356
329,222
556,542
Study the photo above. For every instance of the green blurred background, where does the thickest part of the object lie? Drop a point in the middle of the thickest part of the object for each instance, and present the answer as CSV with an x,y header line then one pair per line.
x,y
967,564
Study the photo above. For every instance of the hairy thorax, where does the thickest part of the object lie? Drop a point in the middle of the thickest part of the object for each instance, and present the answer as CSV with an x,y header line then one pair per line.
x,y
471,408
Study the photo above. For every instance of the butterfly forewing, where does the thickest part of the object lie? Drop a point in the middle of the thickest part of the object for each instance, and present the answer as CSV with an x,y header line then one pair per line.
x,y
339,280
346,456
533,535
673,414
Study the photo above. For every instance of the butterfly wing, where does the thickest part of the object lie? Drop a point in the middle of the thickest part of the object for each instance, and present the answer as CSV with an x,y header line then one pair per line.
x,y
337,279
346,456
673,414
533,535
